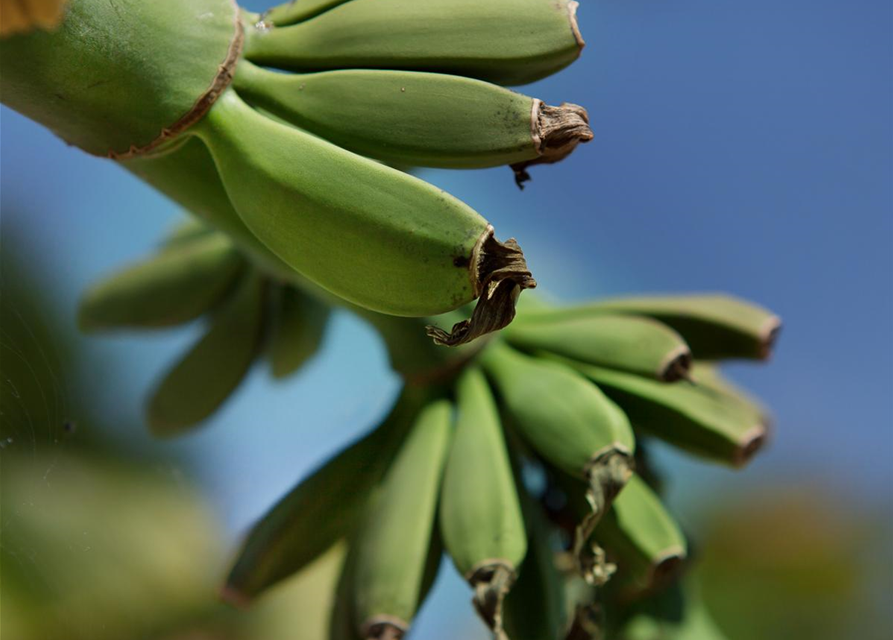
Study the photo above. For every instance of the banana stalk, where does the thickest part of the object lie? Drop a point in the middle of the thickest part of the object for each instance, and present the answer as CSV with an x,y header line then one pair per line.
x,y
571,424
480,515
395,546
410,118
173,287
214,367
627,343
509,42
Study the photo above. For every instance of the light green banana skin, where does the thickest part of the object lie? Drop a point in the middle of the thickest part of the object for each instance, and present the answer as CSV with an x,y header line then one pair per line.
x,y
214,367
170,288
562,415
480,514
645,540
186,173
715,326
298,329
185,233
694,417
628,343
367,233
321,509
401,117
509,42
394,547
293,11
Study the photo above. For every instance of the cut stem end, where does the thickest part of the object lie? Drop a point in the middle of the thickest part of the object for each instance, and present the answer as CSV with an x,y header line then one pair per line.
x,y
556,132
492,582
607,473
499,275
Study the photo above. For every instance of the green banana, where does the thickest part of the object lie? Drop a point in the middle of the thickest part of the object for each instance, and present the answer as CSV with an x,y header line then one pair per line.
x,y
508,42
294,11
628,343
397,535
210,372
709,376
678,613
418,119
321,509
535,607
170,288
715,326
688,415
186,173
480,516
185,233
645,540
370,234
570,423
298,327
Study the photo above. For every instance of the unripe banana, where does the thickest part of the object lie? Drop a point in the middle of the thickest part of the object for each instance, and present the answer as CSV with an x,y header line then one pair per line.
x,y
508,42
214,367
535,607
418,119
643,538
186,173
569,422
170,288
370,234
708,375
185,233
293,11
321,509
688,415
715,326
298,326
628,343
677,613
395,545
480,516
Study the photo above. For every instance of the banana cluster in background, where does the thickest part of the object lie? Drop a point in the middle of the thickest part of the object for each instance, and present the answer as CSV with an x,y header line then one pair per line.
x,y
564,392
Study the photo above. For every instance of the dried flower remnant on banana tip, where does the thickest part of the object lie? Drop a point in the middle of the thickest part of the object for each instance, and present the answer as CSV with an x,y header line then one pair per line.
x,y
499,273
556,132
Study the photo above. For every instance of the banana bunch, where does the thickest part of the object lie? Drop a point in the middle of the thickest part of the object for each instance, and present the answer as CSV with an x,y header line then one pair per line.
x,y
198,273
565,393
302,120
392,83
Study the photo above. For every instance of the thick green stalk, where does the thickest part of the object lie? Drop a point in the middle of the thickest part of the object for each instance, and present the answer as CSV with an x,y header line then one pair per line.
x,y
118,82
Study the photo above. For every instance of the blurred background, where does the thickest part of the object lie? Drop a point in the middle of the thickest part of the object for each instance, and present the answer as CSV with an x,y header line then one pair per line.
x,y
741,147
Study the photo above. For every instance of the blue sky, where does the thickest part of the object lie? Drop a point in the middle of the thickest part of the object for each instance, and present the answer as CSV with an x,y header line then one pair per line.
x,y
742,147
